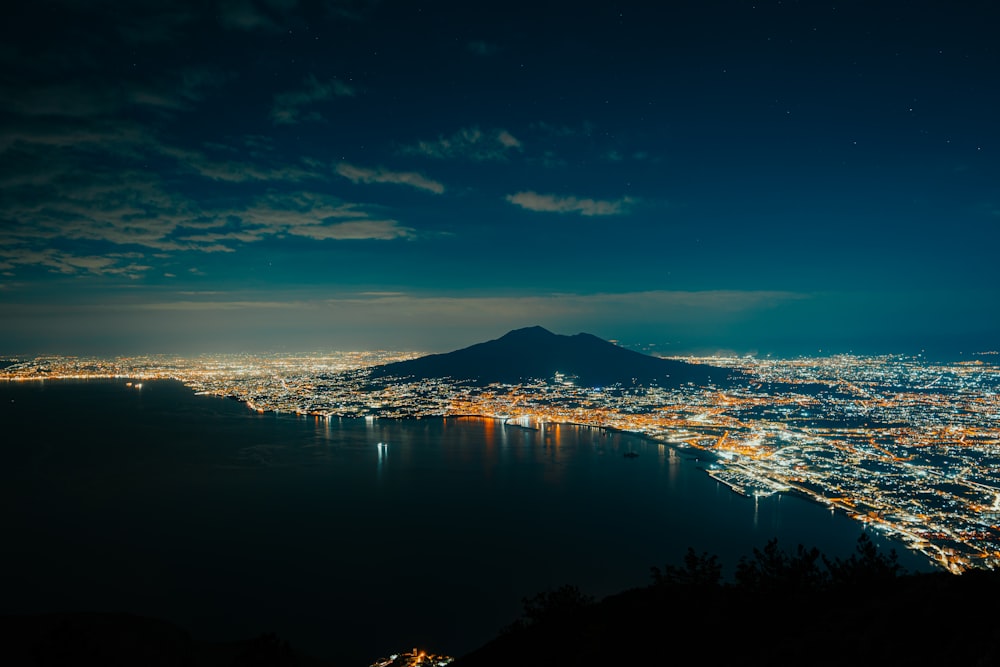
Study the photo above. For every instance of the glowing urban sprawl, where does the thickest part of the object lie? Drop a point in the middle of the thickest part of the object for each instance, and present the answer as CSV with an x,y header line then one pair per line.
x,y
907,446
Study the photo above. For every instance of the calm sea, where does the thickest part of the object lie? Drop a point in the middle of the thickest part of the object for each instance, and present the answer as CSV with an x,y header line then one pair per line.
x,y
231,523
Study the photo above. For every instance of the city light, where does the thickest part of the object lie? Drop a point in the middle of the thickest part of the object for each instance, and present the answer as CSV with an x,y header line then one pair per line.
x,y
901,444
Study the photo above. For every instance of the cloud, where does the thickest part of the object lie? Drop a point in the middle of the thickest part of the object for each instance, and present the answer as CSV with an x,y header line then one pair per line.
x,y
125,208
69,263
470,144
122,141
108,218
231,171
288,106
413,179
86,187
382,230
313,216
534,201
508,140
86,195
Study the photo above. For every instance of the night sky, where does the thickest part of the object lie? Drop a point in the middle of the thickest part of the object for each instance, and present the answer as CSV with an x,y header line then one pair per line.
x,y
251,175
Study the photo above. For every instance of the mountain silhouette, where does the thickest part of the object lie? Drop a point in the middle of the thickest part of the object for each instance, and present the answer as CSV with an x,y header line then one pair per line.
x,y
537,353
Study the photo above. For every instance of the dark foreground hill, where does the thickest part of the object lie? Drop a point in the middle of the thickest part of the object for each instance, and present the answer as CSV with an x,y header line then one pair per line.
x,y
928,619
536,353
781,610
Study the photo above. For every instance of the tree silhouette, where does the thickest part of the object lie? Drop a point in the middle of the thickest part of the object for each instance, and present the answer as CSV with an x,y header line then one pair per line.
x,y
699,570
552,606
864,567
773,569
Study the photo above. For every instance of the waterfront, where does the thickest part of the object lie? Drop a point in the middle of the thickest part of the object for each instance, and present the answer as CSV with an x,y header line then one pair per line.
x,y
231,522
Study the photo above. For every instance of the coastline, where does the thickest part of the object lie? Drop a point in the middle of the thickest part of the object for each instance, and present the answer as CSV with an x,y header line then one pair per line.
x,y
165,472
688,452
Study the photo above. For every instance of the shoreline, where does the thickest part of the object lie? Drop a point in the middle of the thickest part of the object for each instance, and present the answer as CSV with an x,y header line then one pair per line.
x,y
688,452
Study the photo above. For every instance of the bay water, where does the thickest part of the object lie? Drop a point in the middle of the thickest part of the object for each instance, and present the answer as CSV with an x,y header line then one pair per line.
x,y
350,538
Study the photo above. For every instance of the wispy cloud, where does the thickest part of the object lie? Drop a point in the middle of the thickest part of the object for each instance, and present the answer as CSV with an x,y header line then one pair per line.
x,y
469,143
362,175
381,230
289,107
112,225
76,198
534,201
308,215
69,263
233,171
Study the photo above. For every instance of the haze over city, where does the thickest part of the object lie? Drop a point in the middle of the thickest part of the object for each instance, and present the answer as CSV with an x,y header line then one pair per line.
x,y
771,177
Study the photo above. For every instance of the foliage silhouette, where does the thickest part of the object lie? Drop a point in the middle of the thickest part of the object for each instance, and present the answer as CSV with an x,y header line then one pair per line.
x,y
779,608
773,569
698,570
865,567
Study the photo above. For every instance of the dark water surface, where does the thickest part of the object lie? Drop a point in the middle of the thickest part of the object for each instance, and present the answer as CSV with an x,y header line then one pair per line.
x,y
230,523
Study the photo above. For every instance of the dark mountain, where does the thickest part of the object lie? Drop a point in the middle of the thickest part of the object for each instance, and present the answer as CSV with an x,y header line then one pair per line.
x,y
536,353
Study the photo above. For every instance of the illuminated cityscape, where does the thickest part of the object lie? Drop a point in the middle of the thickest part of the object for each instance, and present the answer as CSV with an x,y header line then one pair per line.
x,y
905,445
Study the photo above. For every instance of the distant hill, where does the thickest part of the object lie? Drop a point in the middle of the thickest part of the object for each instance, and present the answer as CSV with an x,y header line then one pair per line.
x,y
536,353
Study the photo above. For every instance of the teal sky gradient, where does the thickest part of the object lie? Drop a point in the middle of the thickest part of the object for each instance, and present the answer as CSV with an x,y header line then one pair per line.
x,y
771,177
